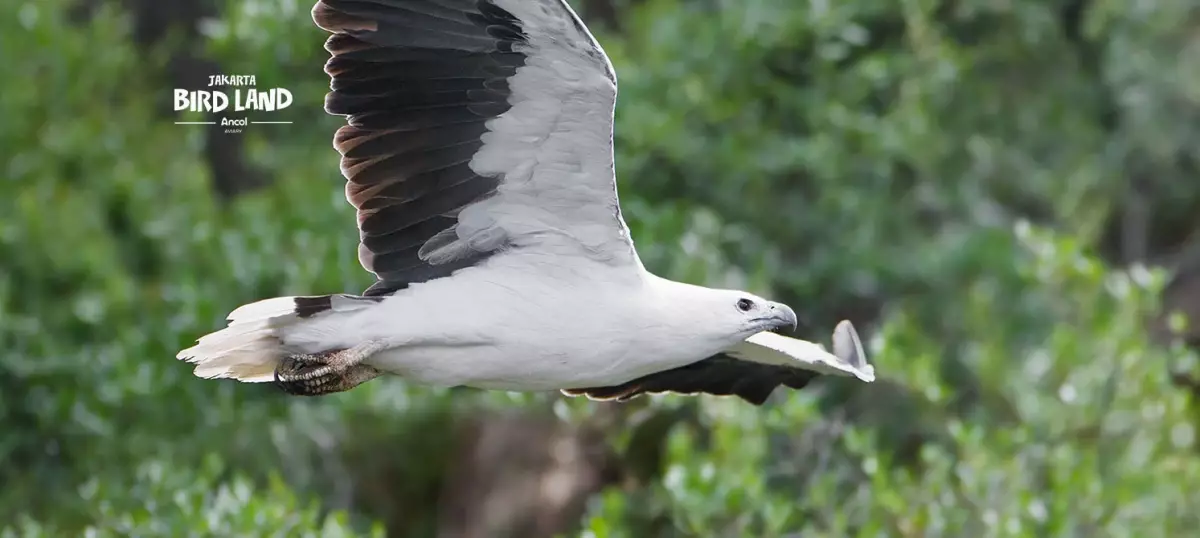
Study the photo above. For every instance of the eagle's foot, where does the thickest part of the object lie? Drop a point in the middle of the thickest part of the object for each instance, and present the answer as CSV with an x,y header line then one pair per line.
x,y
325,373
300,379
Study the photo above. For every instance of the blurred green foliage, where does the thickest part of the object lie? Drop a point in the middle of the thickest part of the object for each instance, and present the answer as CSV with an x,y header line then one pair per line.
x,y
948,170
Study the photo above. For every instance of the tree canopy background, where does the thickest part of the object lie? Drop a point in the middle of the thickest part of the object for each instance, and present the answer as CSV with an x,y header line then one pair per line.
x,y
1003,196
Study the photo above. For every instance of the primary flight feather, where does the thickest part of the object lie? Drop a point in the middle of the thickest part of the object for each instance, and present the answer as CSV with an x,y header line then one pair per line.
x,y
478,154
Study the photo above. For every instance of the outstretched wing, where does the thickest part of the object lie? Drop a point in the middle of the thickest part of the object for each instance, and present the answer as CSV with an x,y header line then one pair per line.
x,y
752,369
474,126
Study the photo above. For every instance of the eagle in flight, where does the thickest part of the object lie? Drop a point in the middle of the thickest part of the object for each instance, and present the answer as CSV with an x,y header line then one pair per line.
x,y
478,153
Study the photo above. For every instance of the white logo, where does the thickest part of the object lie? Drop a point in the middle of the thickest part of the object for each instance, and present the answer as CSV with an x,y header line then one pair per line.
x,y
242,97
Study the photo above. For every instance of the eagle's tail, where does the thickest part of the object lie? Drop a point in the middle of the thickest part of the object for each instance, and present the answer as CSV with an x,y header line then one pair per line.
x,y
249,348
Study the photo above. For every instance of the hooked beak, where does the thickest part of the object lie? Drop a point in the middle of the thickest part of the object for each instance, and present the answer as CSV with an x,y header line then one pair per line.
x,y
780,316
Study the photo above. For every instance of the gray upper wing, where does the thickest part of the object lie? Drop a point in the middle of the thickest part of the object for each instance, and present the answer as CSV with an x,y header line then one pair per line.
x,y
473,126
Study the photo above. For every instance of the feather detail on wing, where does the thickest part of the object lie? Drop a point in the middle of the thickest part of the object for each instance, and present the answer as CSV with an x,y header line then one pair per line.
x,y
473,126
752,369
847,359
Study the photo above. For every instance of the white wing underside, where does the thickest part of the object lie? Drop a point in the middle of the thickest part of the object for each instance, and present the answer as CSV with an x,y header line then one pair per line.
x,y
848,358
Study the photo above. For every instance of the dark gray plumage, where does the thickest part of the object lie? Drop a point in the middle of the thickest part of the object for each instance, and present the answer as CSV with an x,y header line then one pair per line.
x,y
719,375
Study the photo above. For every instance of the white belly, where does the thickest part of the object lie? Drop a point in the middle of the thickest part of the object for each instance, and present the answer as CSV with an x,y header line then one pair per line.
x,y
525,365
530,333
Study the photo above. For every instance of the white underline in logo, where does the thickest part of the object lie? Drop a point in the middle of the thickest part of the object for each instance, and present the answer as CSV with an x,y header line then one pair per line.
x,y
195,123
270,122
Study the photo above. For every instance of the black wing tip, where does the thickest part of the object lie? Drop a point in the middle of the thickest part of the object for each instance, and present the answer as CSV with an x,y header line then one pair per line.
x,y
342,17
417,83
335,21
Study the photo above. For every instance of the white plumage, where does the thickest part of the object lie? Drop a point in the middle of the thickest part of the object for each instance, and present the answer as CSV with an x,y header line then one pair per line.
x,y
478,152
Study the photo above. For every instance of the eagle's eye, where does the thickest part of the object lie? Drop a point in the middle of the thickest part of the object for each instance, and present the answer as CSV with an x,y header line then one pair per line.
x,y
745,305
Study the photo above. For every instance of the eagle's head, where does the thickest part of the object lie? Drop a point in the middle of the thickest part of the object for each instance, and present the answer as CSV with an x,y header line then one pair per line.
x,y
728,316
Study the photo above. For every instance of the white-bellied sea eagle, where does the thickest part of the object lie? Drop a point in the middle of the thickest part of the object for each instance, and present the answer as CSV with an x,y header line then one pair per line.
x,y
478,153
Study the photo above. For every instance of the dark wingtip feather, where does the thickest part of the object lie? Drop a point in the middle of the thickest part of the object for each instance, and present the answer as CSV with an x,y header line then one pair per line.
x,y
719,375
334,21
417,83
